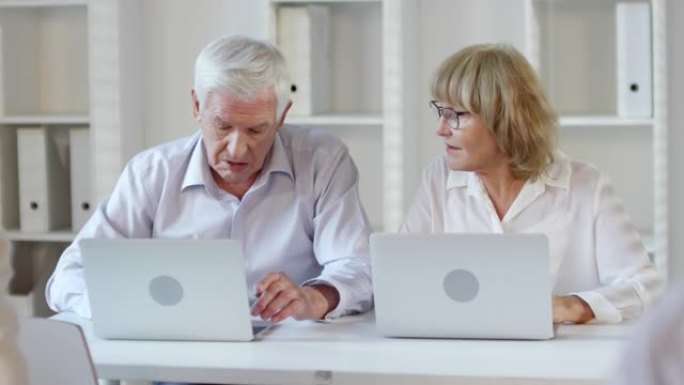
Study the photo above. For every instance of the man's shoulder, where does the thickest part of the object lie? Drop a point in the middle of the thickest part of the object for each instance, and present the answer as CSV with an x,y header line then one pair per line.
x,y
166,155
298,139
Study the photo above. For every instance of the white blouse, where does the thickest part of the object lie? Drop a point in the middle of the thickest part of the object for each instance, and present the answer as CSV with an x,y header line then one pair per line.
x,y
595,251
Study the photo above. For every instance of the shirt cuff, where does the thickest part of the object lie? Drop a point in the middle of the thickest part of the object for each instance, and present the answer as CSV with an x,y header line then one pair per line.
x,y
604,311
342,305
68,295
82,307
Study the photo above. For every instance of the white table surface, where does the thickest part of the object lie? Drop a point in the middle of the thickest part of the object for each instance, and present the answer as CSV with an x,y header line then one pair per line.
x,y
351,352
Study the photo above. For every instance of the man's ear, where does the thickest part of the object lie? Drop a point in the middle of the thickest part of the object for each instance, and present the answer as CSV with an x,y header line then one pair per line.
x,y
282,117
195,105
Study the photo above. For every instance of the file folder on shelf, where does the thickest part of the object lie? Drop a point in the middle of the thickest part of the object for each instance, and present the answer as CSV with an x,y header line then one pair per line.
x,y
2,83
9,179
634,63
302,36
44,203
79,150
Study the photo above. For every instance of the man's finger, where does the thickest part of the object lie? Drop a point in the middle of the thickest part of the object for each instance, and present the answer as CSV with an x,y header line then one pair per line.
x,y
282,300
266,281
292,308
263,301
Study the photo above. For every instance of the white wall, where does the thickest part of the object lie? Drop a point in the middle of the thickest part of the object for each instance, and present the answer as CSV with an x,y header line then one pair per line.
x,y
173,34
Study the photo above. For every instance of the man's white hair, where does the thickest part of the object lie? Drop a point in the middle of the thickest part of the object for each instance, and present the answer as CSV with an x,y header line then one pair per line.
x,y
244,66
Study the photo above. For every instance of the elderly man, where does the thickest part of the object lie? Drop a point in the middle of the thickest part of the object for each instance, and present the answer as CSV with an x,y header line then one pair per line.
x,y
289,194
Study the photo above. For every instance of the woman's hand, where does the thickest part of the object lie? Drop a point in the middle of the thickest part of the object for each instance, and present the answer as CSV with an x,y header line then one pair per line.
x,y
571,308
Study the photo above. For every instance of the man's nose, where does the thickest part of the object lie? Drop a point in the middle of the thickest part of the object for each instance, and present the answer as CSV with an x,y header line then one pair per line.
x,y
237,144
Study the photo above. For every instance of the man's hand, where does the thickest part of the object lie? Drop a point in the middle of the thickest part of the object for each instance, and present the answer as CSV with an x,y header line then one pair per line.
x,y
279,297
571,308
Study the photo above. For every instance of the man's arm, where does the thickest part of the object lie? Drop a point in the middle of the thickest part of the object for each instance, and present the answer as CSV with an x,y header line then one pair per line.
x,y
280,297
341,234
126,213
340,245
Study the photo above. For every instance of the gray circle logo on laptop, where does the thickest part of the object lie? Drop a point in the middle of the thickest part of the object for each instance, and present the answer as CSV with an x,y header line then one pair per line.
x,y
461,285
166,291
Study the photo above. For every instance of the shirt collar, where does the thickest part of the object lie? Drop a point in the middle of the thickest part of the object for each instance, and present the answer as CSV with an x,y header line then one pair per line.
x,y
197,168
458,179
198,172
557,174
278,159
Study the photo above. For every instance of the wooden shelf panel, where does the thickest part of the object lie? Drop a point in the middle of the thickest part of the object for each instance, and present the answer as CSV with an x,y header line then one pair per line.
x,y
42,3
45,119
323,1
336,120
65,235
603,121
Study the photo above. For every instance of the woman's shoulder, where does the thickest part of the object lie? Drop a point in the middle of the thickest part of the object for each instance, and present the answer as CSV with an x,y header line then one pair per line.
x,y
587,183
576,174
585,175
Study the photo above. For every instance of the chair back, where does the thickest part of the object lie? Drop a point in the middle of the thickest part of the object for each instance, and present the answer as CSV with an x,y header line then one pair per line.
x,y
55,353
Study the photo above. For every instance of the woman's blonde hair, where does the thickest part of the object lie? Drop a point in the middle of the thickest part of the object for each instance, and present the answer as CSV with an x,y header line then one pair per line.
x,y
496,82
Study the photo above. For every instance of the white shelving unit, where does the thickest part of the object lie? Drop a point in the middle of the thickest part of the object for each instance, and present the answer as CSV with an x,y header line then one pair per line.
x,y
604,121
337,120
66,64
369,47
65,235
573,45
38,120
44,68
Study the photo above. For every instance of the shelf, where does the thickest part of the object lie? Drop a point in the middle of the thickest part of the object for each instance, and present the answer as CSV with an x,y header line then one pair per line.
x,y
45,119
336,120
602,121
47,72
43,3
54,236
323,1
592,1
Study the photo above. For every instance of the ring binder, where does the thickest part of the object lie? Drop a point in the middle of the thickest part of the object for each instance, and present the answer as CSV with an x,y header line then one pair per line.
x,y
634,60
79,147
302,36
44,203
2,83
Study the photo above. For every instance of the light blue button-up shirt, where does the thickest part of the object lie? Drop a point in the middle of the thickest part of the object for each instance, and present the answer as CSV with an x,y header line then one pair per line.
x,y
302,216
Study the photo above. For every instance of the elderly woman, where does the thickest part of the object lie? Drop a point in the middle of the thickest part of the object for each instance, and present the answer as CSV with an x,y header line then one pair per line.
x,y
501,173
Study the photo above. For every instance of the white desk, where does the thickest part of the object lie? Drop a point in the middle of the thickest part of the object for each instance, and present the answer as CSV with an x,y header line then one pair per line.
x,y
351,352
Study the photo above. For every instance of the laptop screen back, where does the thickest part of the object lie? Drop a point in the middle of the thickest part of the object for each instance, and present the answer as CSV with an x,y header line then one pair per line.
x,y
163,289
462,285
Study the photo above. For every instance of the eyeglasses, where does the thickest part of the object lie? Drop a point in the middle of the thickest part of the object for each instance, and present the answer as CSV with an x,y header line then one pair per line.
x,y
453,117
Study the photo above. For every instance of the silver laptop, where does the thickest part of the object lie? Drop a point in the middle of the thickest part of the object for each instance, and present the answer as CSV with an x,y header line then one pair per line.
x,y
493,286
168,289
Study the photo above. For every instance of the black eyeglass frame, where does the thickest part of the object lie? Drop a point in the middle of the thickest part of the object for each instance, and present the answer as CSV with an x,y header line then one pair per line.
x,y
453,117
